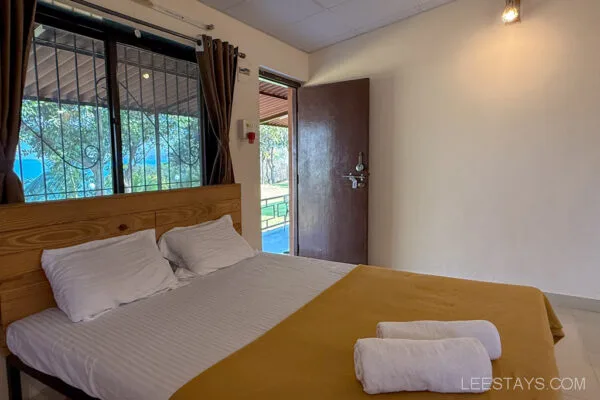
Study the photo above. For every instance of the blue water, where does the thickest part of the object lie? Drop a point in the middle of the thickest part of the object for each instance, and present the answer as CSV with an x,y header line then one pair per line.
x,y
31,168
277,240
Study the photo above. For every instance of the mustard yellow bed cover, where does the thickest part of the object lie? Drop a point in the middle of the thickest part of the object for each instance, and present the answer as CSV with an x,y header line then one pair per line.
x,y
310,354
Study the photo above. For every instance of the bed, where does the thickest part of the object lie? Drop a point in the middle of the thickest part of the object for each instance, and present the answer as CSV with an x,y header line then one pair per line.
x,y
268,327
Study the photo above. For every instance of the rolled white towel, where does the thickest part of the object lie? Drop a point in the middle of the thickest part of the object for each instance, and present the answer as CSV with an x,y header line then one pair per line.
x,y
485,331
445,366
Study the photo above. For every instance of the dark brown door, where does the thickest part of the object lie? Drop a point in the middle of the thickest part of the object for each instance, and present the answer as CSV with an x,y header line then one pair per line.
x,y
332,171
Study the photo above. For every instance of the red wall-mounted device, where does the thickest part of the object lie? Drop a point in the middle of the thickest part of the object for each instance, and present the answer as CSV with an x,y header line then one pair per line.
x,y
248,131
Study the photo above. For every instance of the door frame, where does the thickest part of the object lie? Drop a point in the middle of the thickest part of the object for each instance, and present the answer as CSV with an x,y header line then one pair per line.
x,y
293,124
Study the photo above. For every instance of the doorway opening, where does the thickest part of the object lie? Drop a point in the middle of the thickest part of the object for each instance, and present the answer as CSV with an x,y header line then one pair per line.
x,y
276,138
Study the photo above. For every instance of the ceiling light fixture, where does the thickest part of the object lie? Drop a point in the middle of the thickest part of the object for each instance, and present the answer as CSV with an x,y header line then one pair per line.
x,y
39,30
146,75
512,12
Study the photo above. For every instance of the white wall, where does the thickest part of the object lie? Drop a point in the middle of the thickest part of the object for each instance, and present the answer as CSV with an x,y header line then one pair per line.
x,y
485,142
261,50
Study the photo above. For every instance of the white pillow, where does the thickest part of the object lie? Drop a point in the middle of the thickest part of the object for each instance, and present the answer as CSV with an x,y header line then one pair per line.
x,y
97,276
207,247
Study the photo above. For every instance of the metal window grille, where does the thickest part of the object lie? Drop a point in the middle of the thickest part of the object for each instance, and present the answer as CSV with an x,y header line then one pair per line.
x,y
65,148
160,117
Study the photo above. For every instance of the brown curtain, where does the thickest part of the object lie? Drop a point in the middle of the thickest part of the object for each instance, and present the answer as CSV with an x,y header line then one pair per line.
x,y
17,29
217,62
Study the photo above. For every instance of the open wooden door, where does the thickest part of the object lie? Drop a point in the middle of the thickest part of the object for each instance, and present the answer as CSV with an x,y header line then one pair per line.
x,y
332,171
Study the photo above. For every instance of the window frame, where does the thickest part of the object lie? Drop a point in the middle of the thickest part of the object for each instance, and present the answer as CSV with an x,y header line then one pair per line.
x,y
111,34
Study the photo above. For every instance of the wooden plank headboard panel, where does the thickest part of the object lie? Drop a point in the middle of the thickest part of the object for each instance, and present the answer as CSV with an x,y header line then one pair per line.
x,y
27,229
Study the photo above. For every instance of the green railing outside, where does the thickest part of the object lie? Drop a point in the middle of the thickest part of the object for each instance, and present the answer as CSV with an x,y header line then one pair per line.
x,y
275,211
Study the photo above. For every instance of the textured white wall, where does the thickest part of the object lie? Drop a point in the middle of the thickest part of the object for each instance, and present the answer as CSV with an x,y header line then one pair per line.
x,y
485,142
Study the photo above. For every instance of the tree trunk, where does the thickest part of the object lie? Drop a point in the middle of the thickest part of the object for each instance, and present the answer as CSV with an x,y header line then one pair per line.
x,y
272,162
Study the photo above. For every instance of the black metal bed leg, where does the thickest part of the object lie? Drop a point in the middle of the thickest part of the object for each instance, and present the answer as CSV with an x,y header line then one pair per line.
x,y
13,377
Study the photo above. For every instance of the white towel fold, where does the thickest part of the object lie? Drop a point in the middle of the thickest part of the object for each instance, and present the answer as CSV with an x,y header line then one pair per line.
x,y
445,366
485,331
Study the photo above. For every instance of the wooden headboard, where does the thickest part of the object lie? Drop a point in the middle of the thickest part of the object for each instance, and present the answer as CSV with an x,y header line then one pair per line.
x,y
27,229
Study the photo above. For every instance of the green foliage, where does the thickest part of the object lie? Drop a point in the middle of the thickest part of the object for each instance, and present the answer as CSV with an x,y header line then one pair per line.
x,y
73,143
274,154
74,162
177,147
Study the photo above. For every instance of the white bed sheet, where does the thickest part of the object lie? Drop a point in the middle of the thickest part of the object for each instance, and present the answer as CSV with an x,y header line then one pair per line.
x,y
149,349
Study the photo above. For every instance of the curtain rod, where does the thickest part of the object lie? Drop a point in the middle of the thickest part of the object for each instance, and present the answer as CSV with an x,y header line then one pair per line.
x,y
117,14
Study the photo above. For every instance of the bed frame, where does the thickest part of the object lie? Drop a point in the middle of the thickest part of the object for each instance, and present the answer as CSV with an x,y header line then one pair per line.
x,y
27,229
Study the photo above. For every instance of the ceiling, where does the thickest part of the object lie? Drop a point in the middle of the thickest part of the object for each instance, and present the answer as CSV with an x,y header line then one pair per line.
x,y
310,25
273,104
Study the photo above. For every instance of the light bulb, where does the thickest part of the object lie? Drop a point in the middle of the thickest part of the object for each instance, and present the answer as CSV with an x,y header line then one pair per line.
x,y
510,14
146,75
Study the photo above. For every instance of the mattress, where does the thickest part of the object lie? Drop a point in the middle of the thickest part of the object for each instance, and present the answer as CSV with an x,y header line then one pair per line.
x,y
310,354
151,348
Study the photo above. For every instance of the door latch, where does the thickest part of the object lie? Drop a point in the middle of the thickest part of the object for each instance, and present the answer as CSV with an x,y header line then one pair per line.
x,y
358,181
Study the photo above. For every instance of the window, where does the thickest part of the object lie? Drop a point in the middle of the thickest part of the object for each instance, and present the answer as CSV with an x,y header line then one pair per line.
x,y
68,146
65,144
160,118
